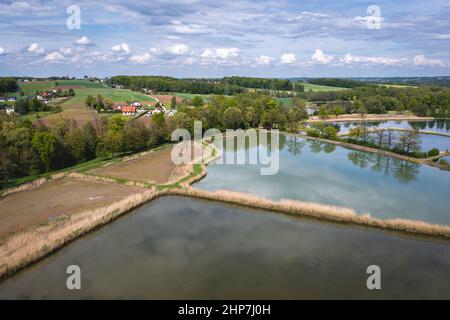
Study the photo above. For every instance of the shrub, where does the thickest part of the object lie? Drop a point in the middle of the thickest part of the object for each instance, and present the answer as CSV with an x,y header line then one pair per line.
x,y
433,152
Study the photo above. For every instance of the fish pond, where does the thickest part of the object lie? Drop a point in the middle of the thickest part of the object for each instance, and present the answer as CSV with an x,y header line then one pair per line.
x,y
182,248
312,171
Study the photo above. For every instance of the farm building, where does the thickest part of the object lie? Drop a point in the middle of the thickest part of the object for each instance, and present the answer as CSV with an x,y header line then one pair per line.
x,y
128,110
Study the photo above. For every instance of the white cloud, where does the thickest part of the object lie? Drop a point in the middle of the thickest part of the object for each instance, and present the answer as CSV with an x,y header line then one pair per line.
x,y
220,53
2,50
20,6
66,51
54,56
263,60
178,49
35,48
350,59
84,41
141,58
320,57
421,60
190,28
288,58
123,47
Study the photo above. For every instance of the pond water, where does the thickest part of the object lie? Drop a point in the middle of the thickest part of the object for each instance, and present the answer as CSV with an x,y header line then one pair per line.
x,y
181,248
325,173
427,141
440,126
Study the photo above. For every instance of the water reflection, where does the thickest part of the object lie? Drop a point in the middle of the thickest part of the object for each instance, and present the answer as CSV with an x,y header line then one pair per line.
x,y
403,171
439,126
180,248
310,170
294,145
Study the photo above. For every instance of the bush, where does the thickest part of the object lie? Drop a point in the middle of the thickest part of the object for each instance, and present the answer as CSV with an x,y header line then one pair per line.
x,y
433,152
443,162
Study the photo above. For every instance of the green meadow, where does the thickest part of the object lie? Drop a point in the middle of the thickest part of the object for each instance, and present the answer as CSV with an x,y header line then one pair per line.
x,y
116,95
318,88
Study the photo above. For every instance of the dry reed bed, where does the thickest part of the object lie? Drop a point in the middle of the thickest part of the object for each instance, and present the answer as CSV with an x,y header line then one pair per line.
x,y
25,248
316,210
95,178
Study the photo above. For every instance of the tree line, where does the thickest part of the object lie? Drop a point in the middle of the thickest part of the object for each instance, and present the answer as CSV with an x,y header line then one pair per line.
x,y
259,83
225,86
337,82
27,149
422,101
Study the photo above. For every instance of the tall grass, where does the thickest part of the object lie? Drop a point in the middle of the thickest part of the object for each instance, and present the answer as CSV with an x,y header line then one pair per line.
x,y
316,210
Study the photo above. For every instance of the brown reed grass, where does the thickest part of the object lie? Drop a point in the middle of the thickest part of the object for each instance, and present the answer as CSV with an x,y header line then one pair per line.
x,y
316,210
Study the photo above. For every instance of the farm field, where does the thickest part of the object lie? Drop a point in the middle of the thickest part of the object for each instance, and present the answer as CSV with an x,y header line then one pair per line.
x,y
396,86
155,167
30,88
166,99
116,95
21,210
189,96
319,88
75,108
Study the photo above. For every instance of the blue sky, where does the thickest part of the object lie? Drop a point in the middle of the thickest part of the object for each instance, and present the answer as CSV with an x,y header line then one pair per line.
x,y
197,38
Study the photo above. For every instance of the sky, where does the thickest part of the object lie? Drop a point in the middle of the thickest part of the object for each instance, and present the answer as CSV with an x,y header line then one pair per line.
x,y
216,38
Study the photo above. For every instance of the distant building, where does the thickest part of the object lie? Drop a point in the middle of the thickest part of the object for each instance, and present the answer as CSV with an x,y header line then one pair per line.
x,y
170,113
9,109
158,109
136,104
128,110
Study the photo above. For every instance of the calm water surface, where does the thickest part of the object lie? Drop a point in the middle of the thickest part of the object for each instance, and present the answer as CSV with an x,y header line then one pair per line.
x,y
313,171
427,141
440,126
180,248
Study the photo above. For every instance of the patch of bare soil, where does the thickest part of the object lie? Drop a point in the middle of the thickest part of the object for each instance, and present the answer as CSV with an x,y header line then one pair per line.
x,y
58,198
154,167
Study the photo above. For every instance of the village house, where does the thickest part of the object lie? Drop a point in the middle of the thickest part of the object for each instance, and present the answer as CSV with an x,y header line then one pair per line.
x,y
136,104
117,107
128,110
7,108
158,109
10,109
170,112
